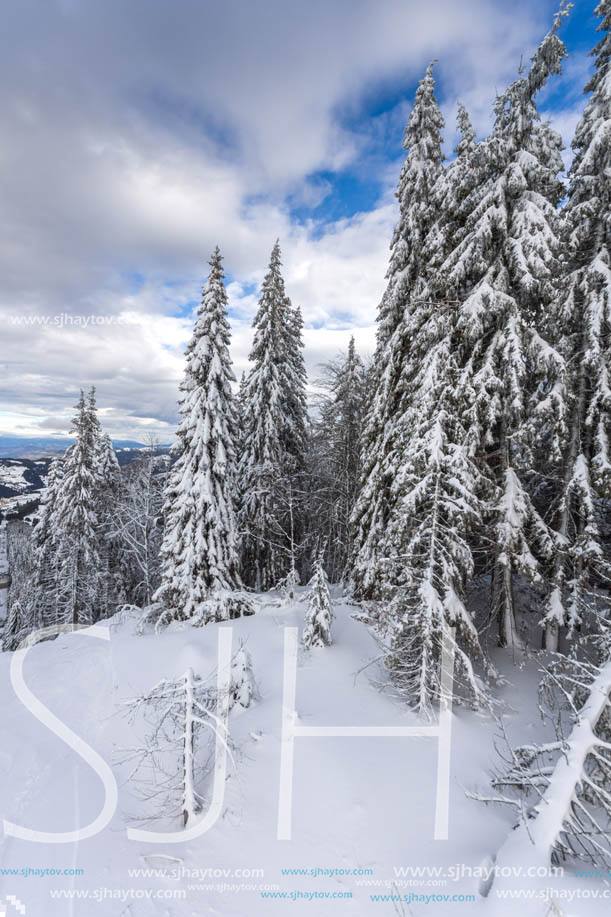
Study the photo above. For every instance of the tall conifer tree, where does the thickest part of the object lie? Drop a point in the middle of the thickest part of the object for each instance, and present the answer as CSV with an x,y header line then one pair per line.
x,y
75,530
585,320
336,458
407,283
199,556
273,459
46,587
503,271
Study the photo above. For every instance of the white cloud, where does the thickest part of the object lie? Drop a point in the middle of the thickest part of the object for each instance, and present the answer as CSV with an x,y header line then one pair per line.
x,y
135,136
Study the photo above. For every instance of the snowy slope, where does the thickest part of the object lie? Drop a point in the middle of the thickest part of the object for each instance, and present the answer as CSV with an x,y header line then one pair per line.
x,y
359,803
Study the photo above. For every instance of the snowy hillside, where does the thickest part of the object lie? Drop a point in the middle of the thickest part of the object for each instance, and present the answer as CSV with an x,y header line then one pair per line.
x,y
358,803
22,476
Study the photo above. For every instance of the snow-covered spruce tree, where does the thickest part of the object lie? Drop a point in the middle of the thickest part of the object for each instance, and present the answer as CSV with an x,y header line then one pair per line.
x,y
242,683
585,304
319,616
435,507
466,145
435,501
273,458
502,271
291,489
45,561
95,433
240,409
75,530
109,482
296,415
108,467
562,789
452,196
22,610
420,172
108,464
199,555
407,275
15,628
335,457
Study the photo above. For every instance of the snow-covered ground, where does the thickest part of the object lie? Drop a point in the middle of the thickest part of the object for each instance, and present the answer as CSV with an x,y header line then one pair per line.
x,y
11,505
358,803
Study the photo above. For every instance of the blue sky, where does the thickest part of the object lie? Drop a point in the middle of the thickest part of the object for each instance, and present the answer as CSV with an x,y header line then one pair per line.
x,y
135,137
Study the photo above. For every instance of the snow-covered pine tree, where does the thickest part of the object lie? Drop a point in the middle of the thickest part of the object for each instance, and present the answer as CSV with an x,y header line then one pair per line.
x,y
75,530
335,457
502,271
585,320
273,457
407,275
199,555
319,616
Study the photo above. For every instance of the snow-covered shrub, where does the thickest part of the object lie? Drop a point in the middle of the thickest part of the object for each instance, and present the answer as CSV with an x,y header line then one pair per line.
x,y
287,585
183,723
221,606
168,765
242,688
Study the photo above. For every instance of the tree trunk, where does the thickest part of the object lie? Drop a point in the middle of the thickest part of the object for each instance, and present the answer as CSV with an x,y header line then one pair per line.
x,y
504,604
552,629
189,800
502,576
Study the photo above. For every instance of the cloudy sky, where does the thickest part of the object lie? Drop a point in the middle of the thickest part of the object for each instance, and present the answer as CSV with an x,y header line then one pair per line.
x,y
135,136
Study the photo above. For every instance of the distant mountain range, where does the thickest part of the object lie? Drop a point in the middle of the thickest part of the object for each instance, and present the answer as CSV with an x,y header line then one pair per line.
x,y
34,447
22,479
